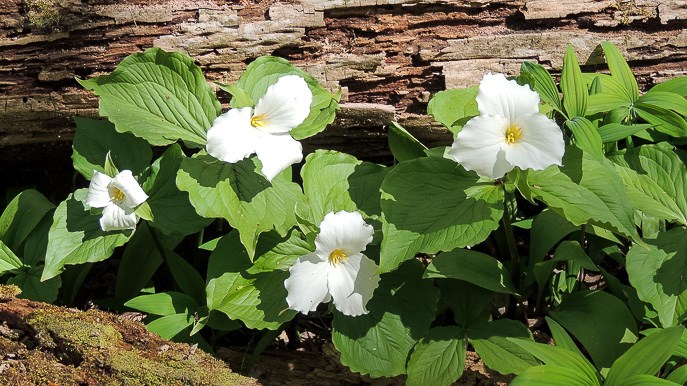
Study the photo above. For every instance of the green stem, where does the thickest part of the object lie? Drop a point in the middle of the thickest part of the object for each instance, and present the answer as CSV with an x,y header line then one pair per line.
x,y
510,238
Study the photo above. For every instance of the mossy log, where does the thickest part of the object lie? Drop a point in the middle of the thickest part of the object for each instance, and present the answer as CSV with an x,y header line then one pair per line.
x,y
41,344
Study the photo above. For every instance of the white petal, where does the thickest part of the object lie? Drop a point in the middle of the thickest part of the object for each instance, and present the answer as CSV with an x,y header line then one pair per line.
x,y
343,230
540,146
231,137
479,146
115,218
285,105
133,194
98,195
307,283
277,152
352,284
500,96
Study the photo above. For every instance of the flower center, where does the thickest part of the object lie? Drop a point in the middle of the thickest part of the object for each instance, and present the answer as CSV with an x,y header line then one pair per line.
x,y
337,257
117,195
258,121
513,134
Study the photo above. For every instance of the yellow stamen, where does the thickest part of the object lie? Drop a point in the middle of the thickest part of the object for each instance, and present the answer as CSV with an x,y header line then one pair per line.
x,y
117,195
513,134
337,257
258,121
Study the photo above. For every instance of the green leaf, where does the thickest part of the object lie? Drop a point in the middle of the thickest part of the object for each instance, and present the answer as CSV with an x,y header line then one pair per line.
x,y
620,70
645,357
678,375
605,101
473,267
403,145
159,96
572,85
656,179
492,343
548,229
647,380
280,253
164,303
561,337
543,84
239,97
569,251
467,301
401,310
258,300
615,131
33,288
185,276
8,260
452,108
171,209
586,136
439,358
558,356
21,216
75,236
551,375
95,138
237,193
656,271
585,190
432,204
666,100
266,70
662,119
600,321
677,85
36,243
171,325
334,181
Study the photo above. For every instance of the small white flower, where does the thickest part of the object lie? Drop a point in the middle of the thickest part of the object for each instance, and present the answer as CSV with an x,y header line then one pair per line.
x,y
119,196
337,269
238,133
509,131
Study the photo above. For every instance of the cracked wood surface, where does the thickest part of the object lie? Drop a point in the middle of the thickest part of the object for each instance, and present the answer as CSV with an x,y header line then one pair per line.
x,y
388,56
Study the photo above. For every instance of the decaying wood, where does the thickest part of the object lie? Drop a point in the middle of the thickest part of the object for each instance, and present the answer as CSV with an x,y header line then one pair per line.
x,y
388,56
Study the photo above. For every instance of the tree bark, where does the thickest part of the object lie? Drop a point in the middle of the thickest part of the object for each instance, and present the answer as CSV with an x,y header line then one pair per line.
x,y
388,56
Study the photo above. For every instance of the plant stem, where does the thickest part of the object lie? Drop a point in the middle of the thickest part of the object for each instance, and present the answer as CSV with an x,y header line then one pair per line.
x,y
510,239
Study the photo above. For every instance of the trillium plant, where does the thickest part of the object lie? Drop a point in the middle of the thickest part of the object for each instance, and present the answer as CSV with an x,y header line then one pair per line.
x,y
559,209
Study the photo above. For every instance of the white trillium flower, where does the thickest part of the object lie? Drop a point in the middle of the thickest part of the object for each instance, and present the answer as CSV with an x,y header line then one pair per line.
x,y
337,269
264,130
118,196
509,131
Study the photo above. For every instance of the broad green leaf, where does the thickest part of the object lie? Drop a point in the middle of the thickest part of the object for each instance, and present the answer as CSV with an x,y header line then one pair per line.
x,y
605,101
663,120
548,229
334,181
95,138
439,358
569,251
492,343
543,84
620,70
159,96
258,300
561,337
648,380
164,303
171,210
615,131
29,280
573,86
473,267
237,193
185,276
656,271
558,356
452,108
585,190
586,135
8,259
279,253
432,204
265,71
170,325
677,85
551,375
401,310
403,145
21,216
239,97
75,236
36,243
678,375
645,357
666,100
600,321
467,301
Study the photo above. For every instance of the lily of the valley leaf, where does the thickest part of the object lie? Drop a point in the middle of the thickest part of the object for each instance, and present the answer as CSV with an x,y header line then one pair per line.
x,y
265,129
509,131
118,196
337,269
